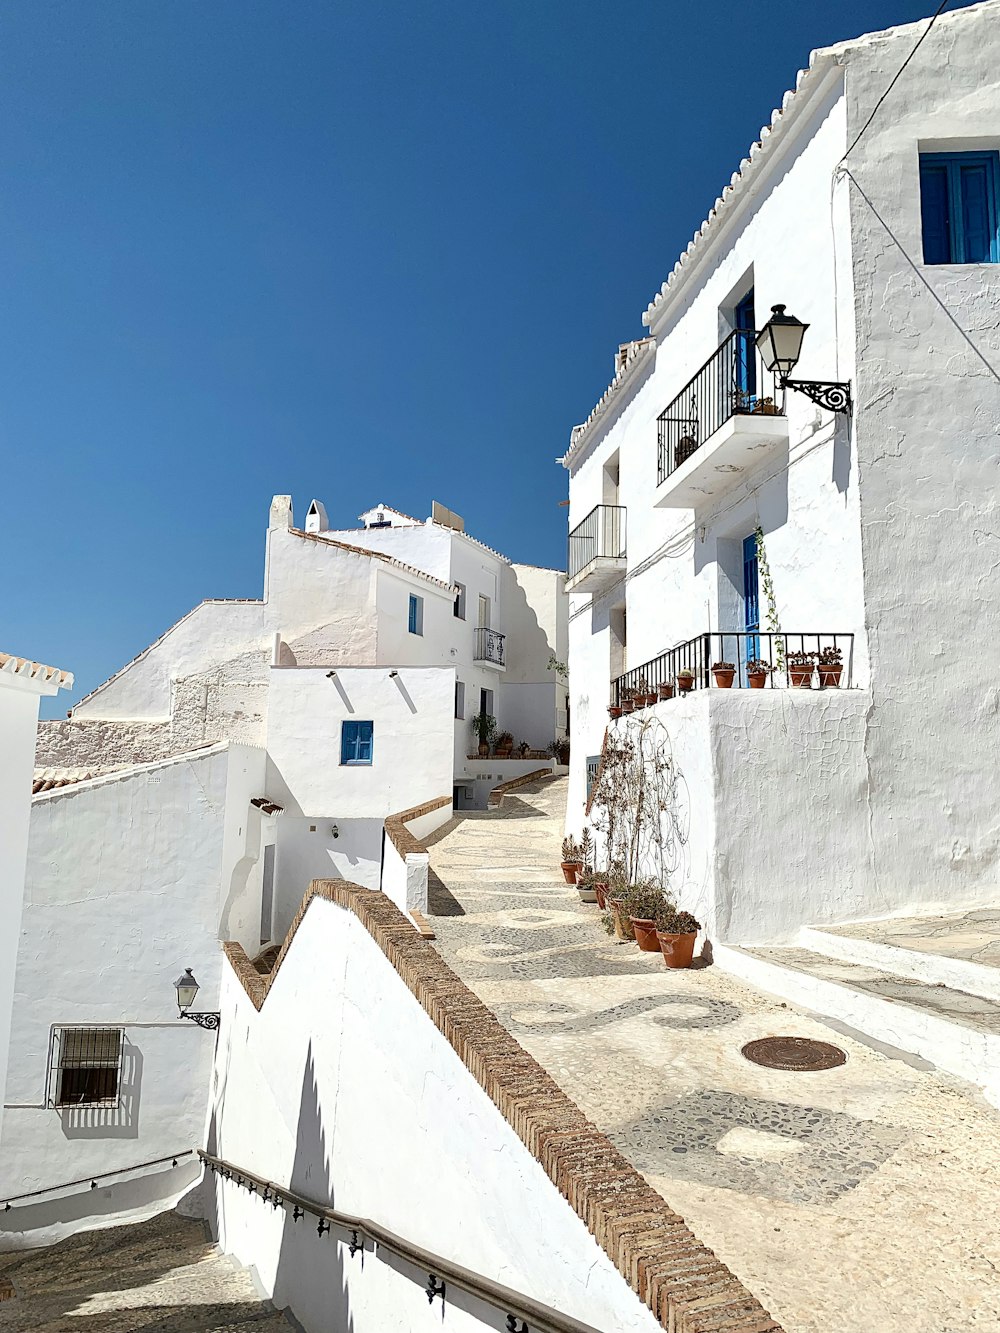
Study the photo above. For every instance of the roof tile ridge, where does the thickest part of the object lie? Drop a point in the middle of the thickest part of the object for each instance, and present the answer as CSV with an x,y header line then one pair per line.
x,y
771,134
26,666
639,350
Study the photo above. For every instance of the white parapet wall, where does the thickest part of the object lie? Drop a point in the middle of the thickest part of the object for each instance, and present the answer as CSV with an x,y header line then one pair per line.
x,y
359,1102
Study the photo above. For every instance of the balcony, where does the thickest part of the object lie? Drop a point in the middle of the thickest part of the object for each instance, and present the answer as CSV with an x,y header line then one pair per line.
x,y
597,551
489,648
726,421
803,661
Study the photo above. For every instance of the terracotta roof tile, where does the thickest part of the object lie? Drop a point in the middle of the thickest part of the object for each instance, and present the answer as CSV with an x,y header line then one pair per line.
x,y
23,666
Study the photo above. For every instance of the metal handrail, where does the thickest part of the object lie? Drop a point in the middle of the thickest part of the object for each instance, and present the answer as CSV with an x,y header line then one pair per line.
x,y
601,534
696,657
488,646
92,1180
514,1304
732,382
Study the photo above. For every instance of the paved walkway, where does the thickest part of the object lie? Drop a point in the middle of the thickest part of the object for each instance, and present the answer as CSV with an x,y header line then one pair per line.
x,y
160,1276
864,1199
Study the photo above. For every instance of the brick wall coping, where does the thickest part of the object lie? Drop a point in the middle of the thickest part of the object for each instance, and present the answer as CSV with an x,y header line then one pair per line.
x,y
688,1289
400,836
499,792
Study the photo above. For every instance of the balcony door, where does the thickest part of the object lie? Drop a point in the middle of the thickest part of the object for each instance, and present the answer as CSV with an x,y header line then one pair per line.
x,y
751,599
744,318
484,612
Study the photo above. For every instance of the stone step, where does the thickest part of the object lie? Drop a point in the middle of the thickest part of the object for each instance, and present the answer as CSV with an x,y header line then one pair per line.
x,y
158,1276
961,950
956,1031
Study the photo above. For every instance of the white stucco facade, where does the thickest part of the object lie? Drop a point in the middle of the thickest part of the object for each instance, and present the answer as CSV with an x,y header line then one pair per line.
x,y
361,1103
878,524
22,685
130,879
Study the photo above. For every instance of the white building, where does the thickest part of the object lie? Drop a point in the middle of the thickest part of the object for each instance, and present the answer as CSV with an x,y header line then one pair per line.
x,y
192,797
790,806
22,686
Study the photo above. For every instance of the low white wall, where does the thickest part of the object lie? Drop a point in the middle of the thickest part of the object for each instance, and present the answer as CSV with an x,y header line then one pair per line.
x,y
306,850
128,879
358,1101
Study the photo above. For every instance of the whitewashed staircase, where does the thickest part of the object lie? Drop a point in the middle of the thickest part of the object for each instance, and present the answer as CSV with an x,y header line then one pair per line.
x,y
921,987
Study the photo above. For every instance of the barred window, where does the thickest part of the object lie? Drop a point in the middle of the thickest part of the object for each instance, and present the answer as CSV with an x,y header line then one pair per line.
x,y
86,1066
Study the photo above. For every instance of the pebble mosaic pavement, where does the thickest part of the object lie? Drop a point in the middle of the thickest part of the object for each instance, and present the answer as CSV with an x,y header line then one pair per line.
x,y
861,1199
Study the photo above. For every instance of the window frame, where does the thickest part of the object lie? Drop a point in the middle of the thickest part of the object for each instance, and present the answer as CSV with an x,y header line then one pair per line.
x,y
459,608
415,615
357,743
459,700
952,163
110,1061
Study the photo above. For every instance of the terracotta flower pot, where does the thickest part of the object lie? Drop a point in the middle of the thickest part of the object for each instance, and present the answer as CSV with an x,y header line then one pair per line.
x,y
484,750
628,706
570,869
623,924
648,700
614,711
677,950
758,680
602,891
829,676
665,692
685,683
645,934
723,678
800,676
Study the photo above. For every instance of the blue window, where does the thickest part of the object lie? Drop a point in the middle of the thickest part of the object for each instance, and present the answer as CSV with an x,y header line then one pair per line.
x,y
356,742
958,207
751,598
746,364
416,618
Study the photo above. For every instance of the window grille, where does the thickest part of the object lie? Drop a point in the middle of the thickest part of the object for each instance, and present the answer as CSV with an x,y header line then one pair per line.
x,y
86,1066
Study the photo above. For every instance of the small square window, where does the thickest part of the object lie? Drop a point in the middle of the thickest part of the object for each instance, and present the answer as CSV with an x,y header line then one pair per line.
x,y
416,617
460,601
356,742
86,1066
960,208
460,698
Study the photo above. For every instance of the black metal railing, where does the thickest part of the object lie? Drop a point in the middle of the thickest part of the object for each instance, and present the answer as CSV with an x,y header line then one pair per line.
x,y
784,659
489,646
93,1181
600,535
732,382
360,1235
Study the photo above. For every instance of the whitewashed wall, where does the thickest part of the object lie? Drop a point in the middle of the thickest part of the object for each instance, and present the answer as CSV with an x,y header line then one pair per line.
x,y
19,699
357,1097
128,880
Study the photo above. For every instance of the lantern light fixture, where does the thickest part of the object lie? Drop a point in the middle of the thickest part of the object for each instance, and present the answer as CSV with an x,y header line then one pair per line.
x,y
780,345
187,988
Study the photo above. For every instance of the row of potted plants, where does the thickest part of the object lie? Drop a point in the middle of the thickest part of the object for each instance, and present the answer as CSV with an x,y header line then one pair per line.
x,y
827,663
640,912
484,726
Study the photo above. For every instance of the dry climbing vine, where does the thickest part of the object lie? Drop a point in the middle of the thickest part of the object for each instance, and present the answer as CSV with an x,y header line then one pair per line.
x,y
767,585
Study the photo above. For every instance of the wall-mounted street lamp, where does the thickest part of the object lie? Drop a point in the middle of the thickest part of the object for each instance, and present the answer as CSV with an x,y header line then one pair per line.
x,y
780,345
187,988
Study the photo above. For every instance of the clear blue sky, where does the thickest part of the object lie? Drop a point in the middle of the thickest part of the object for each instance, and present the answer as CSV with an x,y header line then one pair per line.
x,y
359,249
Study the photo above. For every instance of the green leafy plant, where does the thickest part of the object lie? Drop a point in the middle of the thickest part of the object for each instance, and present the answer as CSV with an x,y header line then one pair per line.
x,y
756,666
801,659
646,900
829,657
672,922
723,666
485,727
767,587
504,739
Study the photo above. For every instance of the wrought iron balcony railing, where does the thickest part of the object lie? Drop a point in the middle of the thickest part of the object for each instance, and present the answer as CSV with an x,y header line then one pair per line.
x,y
601,535
802,659
732,382
489,647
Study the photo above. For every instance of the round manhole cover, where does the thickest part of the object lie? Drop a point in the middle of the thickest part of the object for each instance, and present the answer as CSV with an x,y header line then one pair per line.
x,y
795,1053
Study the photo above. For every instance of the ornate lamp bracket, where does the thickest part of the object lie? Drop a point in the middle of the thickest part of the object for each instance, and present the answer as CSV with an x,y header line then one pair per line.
x,y
209,1020
834,395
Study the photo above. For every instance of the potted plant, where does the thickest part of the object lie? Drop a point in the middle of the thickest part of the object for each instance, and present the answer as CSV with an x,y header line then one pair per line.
x,y
586,886
504,745
572,859
485,727
685,680
523,749
800,669
725,674
614,710
601,888
676,932
559,750
829,664
645,902
644,696
665,690
628,699
757,672
617,921
684,448
765,407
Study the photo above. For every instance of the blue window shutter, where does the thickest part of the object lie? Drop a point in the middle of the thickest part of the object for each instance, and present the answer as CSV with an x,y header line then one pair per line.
x,y
366,733
977,235
356,742
413,615
934,210
346,742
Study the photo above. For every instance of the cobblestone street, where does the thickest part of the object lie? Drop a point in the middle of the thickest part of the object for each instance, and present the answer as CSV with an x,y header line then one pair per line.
x,y
861,1199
